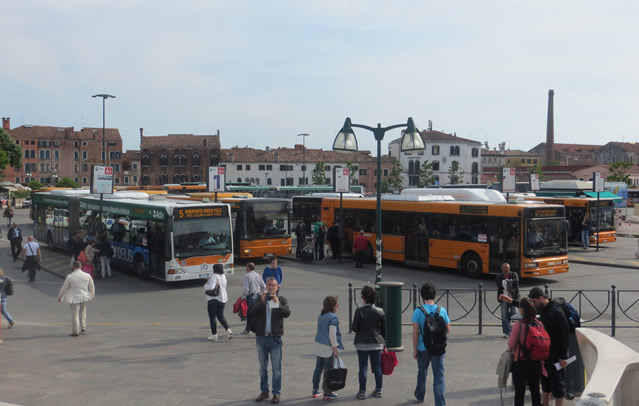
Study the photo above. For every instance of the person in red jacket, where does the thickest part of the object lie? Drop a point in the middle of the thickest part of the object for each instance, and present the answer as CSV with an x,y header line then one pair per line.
x,y
360,244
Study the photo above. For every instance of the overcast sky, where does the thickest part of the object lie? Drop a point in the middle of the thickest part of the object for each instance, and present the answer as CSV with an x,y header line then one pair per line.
x,y
262,72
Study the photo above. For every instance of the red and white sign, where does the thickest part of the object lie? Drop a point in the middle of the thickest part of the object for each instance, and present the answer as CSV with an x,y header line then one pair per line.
x,y
102,179
341,180
217,179
509,175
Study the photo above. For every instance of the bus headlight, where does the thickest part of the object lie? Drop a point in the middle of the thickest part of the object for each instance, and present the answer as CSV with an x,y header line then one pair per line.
x,y
564,262
247,252
228,266
531,265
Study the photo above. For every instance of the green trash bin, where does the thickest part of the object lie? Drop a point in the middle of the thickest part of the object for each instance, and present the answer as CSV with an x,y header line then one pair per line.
x,y
390,300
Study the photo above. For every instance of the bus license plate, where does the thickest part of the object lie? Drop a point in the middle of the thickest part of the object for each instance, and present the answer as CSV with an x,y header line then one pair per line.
x,y
551,271
204,275
269,255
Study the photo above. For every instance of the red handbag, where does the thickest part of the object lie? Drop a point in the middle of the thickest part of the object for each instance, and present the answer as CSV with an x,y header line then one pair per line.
x,y
389,361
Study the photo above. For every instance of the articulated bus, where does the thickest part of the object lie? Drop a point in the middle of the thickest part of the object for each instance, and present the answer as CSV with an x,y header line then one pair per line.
x,y
473,237
155,237
575,211
288,192
261,226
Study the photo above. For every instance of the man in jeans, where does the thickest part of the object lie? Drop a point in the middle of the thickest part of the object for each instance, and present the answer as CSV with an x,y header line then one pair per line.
x,y
270,312
252,287
507,284
428,294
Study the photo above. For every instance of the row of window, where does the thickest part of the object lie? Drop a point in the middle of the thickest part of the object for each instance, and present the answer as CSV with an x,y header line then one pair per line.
x,y
179,160
454,151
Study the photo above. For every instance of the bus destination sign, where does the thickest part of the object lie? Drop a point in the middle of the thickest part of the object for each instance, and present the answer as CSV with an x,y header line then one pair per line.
x,y
199,212
546,213
473,209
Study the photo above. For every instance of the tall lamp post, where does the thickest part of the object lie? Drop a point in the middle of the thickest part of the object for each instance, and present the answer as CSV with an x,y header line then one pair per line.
x,y
304,135
104,97
346,142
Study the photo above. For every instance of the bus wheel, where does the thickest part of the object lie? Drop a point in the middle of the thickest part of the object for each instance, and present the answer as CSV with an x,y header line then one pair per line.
x,y
49,240
140,269
471,265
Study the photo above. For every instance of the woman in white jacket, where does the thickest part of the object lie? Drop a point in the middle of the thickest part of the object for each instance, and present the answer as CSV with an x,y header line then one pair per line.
x,y
216,303
77,290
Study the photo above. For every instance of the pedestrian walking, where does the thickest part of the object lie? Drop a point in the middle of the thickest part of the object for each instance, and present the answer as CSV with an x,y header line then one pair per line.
x,y
74,246
8,214
77,291
328,342
300,237
4,282
89,254
216,303
275,271
252,287
333,239
369,325
525,371
32,257
105,252
14,235
269,313
430,319
585,231
319,241
360,245
508,284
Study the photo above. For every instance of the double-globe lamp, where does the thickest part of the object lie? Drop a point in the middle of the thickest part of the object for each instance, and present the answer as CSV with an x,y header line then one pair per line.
x,y
346,142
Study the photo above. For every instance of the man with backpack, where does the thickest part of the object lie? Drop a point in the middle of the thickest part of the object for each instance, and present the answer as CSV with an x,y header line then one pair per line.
x,y
553,316
15,238
300,236
431,326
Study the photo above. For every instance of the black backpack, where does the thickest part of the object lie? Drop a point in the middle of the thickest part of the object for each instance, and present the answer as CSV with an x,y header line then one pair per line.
x,y
8,286
434,332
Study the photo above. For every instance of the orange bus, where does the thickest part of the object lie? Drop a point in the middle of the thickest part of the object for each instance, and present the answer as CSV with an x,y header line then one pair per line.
x,y
576,209
261,226
473,237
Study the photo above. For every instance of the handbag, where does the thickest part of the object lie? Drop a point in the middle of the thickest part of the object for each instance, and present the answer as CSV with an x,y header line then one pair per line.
x,y
389,361
335,376
215,291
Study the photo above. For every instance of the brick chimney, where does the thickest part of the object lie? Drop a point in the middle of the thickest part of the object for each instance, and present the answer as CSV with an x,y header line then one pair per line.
x,y
141,136
550,129
6,123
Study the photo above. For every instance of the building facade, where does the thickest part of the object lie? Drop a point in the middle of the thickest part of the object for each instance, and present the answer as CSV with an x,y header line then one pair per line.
x,y
618,152
131,168
177,158
567,154
444,152
52,153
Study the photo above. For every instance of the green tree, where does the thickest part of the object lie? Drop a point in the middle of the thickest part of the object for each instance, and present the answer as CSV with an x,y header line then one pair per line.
x,y
537,169
10,152
455,173
352,176
426,177
68,182
393,183
619,172
35,185
318,176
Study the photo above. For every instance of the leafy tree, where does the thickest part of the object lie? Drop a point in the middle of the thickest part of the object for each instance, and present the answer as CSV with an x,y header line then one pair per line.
x,y
318,176
68,182
352,176
34,185
455,173
426,177
619,172
393,183
537,169
10,152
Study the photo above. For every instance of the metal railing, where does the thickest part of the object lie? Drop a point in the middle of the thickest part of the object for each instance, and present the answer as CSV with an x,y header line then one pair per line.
x,y
470,307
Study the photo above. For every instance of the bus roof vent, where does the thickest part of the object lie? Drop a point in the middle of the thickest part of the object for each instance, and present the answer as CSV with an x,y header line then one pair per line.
x,y
459,194
157,197
69,191
126,195
418,198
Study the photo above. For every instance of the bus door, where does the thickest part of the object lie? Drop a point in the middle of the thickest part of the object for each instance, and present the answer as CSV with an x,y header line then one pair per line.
x,y
511,245
157,248
416,241
575,216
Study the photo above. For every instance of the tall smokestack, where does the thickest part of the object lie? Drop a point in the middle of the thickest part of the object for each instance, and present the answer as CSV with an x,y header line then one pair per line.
x,y
550,129
6,123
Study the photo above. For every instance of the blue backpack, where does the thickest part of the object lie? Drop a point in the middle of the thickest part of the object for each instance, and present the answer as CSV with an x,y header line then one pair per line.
x,y
571,313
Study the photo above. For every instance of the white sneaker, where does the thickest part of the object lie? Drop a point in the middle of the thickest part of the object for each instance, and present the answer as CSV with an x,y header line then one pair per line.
x,y
212,337
229,334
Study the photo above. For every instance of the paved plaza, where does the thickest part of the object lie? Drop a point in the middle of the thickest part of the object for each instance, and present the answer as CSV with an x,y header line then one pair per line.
x,y
146,341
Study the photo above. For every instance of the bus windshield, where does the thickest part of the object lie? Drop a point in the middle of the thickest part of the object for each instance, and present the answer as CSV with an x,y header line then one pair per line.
x,y
606,219
545,237
201,237
267,220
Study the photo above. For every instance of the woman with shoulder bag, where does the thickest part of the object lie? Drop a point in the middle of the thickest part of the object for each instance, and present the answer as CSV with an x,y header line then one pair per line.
x,y
369,325
328,342
524,371
215,290
89,253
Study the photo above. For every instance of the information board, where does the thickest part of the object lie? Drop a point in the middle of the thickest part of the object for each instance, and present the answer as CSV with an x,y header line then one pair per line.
x,y
101,179
217,179
598,182
341,177
508,180
534,181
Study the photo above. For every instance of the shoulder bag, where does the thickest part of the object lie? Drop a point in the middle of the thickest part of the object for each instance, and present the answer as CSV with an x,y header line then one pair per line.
x,y
216,290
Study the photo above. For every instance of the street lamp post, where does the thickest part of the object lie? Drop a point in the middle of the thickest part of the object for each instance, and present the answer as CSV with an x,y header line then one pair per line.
x,y
304,135
104,97
346,142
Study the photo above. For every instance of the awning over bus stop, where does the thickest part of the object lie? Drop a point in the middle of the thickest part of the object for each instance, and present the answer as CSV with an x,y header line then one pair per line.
x,y
605,195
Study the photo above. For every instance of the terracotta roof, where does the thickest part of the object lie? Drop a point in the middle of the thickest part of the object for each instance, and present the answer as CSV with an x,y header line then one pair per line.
x,y
132,154
50,132
430,136
246,154
576,149
181,140
627,146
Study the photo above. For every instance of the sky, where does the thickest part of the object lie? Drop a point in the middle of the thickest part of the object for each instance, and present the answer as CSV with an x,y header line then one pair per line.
x,y
262,72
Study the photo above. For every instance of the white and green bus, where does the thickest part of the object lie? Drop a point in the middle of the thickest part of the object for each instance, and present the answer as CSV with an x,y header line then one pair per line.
x,y
170,240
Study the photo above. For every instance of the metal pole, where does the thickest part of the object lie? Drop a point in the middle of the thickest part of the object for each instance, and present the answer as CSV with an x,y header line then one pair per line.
x,y
340,232
379,134
350,307
481,304
614,310
104,131
597,234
